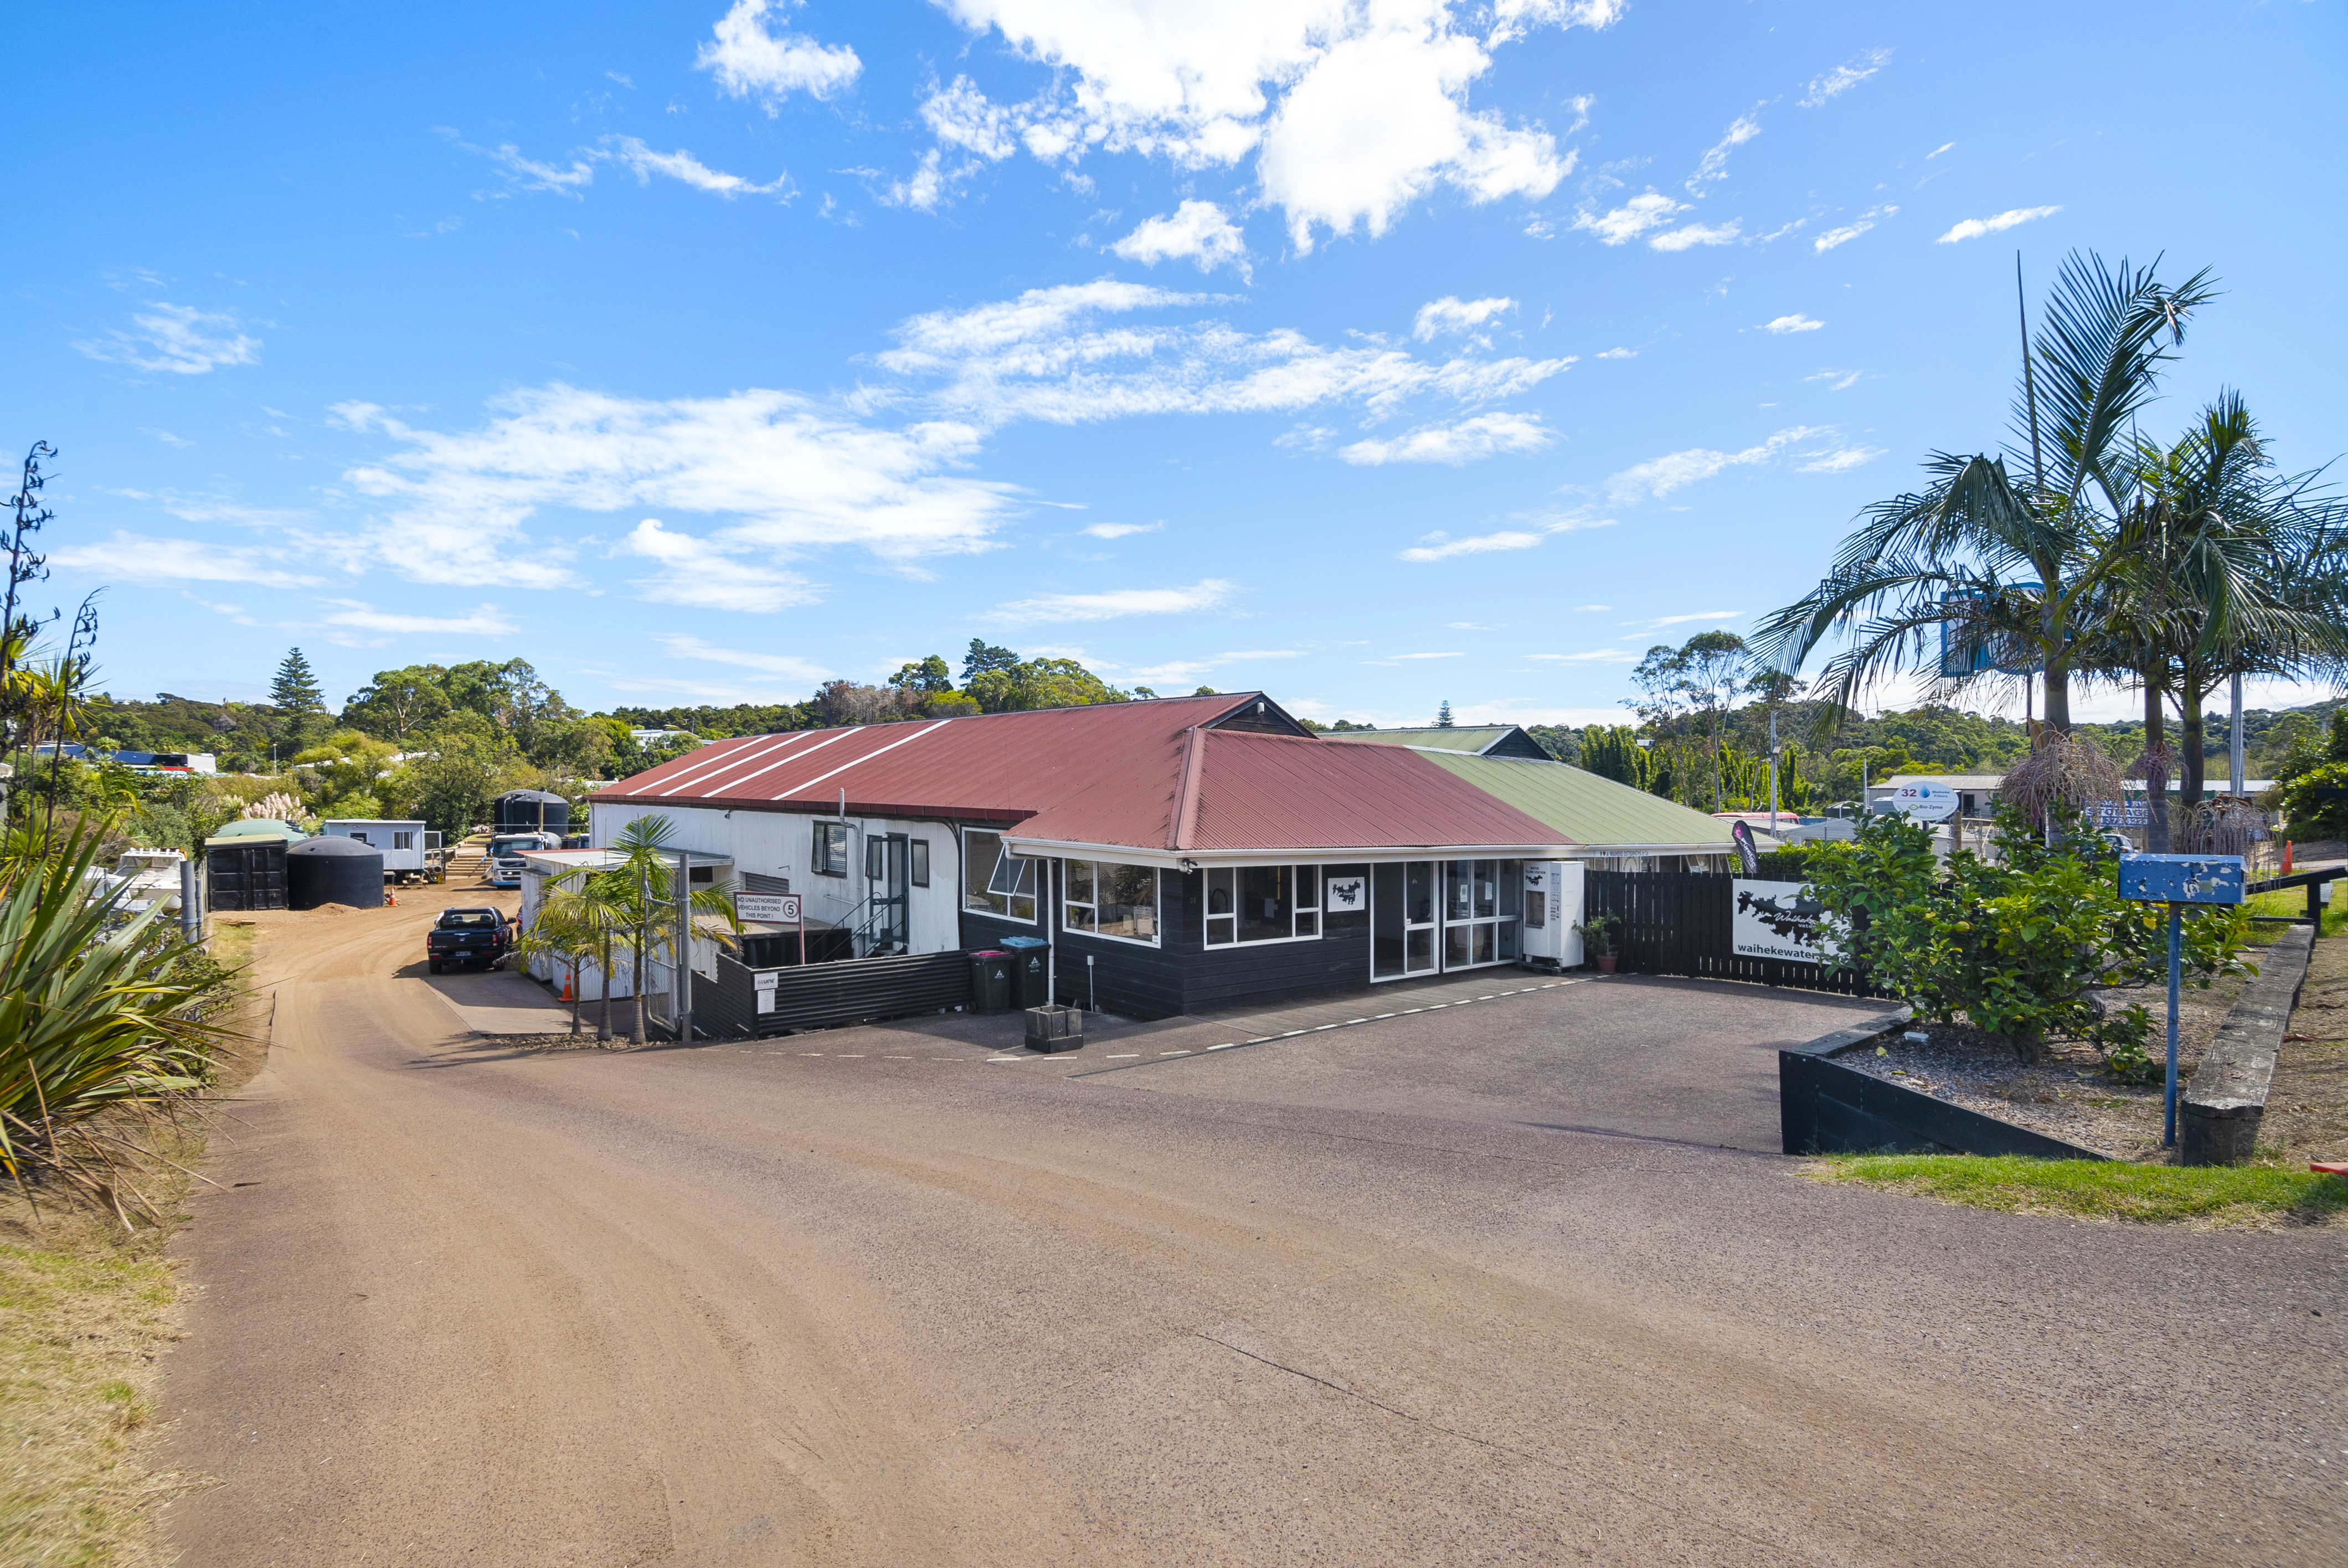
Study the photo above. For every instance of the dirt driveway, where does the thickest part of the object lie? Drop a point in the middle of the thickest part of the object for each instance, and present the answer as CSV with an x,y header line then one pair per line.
x,y
868,1296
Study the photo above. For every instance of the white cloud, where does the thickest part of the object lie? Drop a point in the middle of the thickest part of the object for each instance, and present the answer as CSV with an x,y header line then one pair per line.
x,y
179,340
527,173
1659,476
789,476
1197,230
1938,150
1443,548
1713,165
1595,656
1208,594
1486,435
680,645
1837,380
167,438
1120,530
1631,219
1659,622
1842,78
1353,111
1840,461
750,62
136,558
1585,608
485,621
960,116
1850,230
1047,355
1797,323
1696,234
681,165
1974,228
1452,314
1440,546
1618,353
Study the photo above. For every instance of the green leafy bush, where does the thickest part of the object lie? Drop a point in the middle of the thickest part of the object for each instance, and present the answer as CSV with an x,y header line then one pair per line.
x,y
2310,809
2018,947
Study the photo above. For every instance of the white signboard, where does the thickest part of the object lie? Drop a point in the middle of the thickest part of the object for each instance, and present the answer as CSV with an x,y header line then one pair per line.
x,y
1925,802
767,908
1344,895
765,980
1779,920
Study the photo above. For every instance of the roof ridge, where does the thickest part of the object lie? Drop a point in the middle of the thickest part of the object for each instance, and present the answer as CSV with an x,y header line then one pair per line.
x,y
1183,824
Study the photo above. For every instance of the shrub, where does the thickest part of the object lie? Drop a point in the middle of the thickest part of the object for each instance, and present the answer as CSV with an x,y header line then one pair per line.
x,y
2019,947
2315,803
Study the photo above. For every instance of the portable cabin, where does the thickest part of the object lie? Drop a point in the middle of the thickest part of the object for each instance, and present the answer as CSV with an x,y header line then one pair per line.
x,y
406,845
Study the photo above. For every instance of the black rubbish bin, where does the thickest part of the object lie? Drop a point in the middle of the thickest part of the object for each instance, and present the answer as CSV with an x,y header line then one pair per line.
x,y
990,981
1031,972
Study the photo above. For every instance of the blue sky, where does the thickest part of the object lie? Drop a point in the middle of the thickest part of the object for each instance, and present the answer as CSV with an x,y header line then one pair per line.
x,y
1374,355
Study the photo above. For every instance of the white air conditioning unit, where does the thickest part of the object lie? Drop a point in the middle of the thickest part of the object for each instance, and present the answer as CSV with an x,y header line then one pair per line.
x,y
1552,911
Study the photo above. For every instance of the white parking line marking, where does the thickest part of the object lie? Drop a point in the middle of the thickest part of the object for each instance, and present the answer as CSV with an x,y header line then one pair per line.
x,y
810,1053
1007,1059
1223,1047
1120,1056
896,1059
1173,1054
852,1056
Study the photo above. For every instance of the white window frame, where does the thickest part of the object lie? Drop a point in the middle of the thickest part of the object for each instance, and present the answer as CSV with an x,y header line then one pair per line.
x,y
1296,910
1067,902
1009,914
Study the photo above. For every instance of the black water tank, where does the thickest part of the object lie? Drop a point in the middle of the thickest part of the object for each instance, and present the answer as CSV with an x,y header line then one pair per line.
x,y
334,871
532,811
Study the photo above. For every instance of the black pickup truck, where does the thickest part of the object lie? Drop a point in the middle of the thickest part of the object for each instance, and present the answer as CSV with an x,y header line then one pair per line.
x,y
480,936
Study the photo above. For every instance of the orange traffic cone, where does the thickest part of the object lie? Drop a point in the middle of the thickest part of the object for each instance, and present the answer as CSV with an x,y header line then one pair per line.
x,y
392,899
566,988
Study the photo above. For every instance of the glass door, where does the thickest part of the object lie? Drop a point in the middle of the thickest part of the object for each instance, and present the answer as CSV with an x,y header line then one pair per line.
x,y
888,872
1403,924
1482,902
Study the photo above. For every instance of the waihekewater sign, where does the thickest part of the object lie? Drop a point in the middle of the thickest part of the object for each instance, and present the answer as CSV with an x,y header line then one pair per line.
x,y
1779,920
1923,801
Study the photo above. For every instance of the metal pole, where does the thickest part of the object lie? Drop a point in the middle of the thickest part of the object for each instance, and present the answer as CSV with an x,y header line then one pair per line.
x,y
2175,975
191,919
681,988
2234,742
1773,772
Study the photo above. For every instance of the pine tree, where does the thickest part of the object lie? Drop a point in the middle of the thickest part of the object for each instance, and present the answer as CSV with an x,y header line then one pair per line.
x,y
295,690
1443,715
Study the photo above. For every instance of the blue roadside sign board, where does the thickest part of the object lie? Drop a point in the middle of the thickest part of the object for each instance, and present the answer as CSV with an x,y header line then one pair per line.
x,y
2182,878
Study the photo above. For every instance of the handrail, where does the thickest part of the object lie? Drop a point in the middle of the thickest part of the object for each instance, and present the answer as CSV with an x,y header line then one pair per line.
x,y
2297,879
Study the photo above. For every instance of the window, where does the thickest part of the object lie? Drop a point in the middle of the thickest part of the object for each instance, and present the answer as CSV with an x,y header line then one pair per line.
x,y
402,841
831,849
1109,899
993,883
918,861
361,837
1263,904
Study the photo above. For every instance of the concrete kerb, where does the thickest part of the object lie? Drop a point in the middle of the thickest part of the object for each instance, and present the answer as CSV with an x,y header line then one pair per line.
x,y
2218,1114
1826,1107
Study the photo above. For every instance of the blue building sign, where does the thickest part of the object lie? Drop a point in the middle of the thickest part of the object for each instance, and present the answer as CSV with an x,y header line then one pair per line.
x,y
2182,878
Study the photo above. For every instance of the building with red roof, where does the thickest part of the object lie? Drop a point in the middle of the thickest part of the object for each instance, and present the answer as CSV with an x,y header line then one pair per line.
x,y
1174,853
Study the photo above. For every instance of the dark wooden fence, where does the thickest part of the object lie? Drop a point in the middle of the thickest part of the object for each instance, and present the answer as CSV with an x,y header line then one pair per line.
x,y
825,996
1680,923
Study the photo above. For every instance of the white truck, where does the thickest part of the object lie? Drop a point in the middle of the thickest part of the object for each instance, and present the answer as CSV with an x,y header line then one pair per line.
x,y
411,851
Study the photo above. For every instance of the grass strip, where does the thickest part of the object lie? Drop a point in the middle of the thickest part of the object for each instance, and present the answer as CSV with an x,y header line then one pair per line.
x,y
2100,1189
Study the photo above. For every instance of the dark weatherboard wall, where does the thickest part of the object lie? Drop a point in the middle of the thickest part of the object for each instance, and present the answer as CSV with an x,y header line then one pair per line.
x,y
1182,974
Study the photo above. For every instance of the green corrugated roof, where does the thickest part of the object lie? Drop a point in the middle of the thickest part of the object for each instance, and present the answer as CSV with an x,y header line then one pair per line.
x,y
1585,808
1463,738
260,828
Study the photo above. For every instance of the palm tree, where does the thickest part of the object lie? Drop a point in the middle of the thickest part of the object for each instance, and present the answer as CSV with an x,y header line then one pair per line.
x,y
639,890
569,928
597,903
2002,572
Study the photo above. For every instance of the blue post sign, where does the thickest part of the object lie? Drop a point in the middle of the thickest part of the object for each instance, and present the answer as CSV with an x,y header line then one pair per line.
x,y
2178,880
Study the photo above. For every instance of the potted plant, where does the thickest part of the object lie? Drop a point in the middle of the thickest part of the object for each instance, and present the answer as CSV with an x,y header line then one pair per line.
x,y
1597,939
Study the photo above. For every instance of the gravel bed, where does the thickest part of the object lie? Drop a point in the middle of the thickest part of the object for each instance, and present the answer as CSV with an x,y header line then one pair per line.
x,y
2066,1094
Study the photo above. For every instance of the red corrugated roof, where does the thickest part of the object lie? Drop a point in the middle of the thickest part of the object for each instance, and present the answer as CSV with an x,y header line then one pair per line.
x,y
995,768
1145,775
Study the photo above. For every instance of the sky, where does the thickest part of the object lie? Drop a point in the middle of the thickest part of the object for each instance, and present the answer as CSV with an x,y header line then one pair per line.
x,y
1374,355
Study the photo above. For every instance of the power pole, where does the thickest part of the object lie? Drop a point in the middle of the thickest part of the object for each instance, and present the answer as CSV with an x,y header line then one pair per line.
x,y
2234,743
1772,771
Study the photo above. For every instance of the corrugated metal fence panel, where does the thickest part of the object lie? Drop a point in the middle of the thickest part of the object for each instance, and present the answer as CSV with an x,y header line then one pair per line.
x,y
1680,923
825,996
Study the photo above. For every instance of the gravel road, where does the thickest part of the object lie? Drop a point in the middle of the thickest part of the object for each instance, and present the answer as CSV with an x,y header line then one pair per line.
x,y
899,1304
